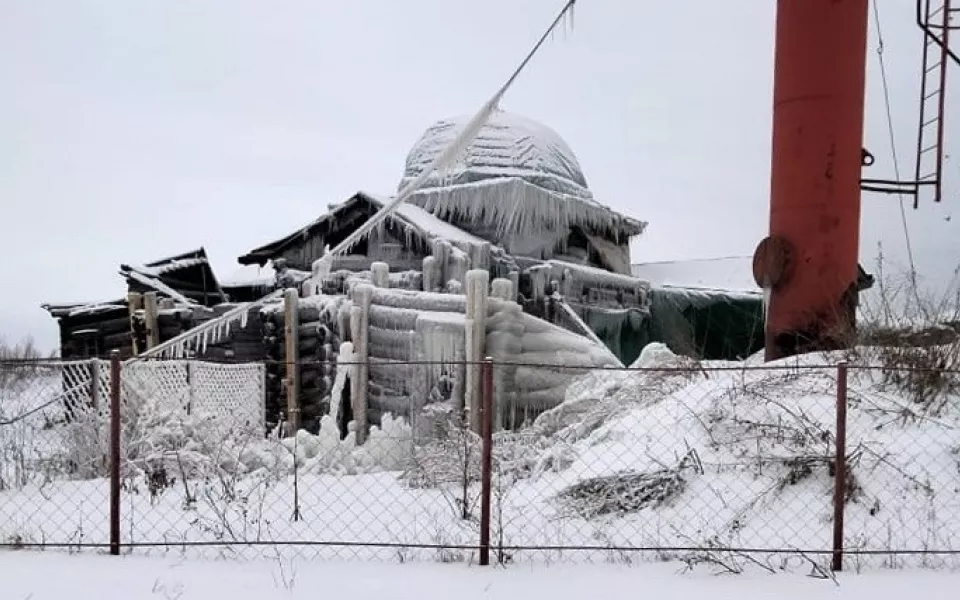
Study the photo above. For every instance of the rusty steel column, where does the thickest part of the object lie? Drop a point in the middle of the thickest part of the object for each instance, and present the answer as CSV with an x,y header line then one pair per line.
x,y
808,264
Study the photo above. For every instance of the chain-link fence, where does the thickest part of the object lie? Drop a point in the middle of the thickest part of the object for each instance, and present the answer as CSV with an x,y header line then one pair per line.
x,y
53,454
728,465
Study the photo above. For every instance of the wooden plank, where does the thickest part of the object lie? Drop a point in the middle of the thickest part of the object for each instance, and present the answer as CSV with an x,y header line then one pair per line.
x,y
360,331
380,274
134,303
291,300
477,287
150,319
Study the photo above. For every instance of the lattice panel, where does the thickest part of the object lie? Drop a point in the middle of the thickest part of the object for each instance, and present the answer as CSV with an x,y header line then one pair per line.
x,y
82,384
163,384
230,393
233,393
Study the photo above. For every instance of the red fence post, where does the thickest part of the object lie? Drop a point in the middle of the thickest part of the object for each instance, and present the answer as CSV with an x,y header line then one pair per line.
x,y
486,459
840,467
115,453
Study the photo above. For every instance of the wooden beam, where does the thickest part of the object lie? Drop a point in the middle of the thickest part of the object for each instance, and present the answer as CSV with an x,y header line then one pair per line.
x,y
150,319
291,330
360,332
134,303
477,284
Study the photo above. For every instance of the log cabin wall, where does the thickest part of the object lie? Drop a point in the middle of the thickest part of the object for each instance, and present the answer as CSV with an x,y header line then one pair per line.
x,y
319,335
385,245
88,332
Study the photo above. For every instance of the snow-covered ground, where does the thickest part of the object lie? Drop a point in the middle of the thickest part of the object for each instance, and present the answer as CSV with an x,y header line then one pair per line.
x,y
685,464
50,576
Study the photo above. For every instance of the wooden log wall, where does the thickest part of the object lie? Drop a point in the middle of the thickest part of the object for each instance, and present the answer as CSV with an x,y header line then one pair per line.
x,y
318,343
96,333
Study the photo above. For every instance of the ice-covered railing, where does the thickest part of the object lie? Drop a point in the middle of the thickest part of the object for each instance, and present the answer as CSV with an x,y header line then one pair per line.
x,y
573,316
210,332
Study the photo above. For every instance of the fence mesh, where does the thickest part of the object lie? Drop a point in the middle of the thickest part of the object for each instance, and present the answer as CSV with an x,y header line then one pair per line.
x,y
728,466
52,452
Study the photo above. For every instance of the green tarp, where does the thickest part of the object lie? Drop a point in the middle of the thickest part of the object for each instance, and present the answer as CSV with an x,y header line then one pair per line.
x,y
711,325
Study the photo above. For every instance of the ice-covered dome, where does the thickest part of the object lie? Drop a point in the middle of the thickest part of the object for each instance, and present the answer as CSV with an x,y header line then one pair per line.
x,y
508,146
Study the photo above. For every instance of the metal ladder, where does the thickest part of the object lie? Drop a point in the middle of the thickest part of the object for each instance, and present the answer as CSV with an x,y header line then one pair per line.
x,y
936,18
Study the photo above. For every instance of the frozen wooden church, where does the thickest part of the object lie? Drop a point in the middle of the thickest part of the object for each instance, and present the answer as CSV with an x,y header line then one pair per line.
x,y
508,254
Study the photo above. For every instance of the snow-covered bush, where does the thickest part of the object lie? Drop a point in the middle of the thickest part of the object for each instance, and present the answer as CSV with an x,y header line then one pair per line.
x,y
387,448
448,460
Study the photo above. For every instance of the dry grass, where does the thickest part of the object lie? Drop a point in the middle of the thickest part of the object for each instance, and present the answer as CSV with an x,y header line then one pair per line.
x,y
913,335
19,362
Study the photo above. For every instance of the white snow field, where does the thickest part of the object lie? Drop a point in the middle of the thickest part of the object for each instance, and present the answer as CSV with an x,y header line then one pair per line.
x,y
52,576
723,466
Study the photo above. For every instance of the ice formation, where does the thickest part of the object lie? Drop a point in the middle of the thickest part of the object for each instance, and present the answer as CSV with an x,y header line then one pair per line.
x,y
440,162
444,155
210,332
506,146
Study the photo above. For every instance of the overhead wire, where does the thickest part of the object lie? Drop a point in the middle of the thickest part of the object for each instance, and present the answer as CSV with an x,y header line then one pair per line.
x,y
893,141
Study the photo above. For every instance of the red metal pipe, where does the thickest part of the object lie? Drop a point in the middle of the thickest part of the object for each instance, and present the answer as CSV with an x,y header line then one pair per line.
x,y
809,262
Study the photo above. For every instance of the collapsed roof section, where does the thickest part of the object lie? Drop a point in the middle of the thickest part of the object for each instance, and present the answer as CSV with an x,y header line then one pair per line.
x,y
186,278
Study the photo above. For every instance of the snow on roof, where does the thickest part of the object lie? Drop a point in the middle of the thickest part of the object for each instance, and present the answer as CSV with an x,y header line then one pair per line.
x,y
516,173
433,226
428,223
732,273
596,275
159,286
251,275
170,266
198,253
518,206
508,145
87,308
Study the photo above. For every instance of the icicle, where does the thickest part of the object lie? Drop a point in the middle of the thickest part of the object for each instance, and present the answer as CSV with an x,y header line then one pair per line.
x,y
243,319
767,297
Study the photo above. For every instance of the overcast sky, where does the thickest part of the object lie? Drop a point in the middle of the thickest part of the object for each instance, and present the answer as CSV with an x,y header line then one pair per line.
x,y
132,129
